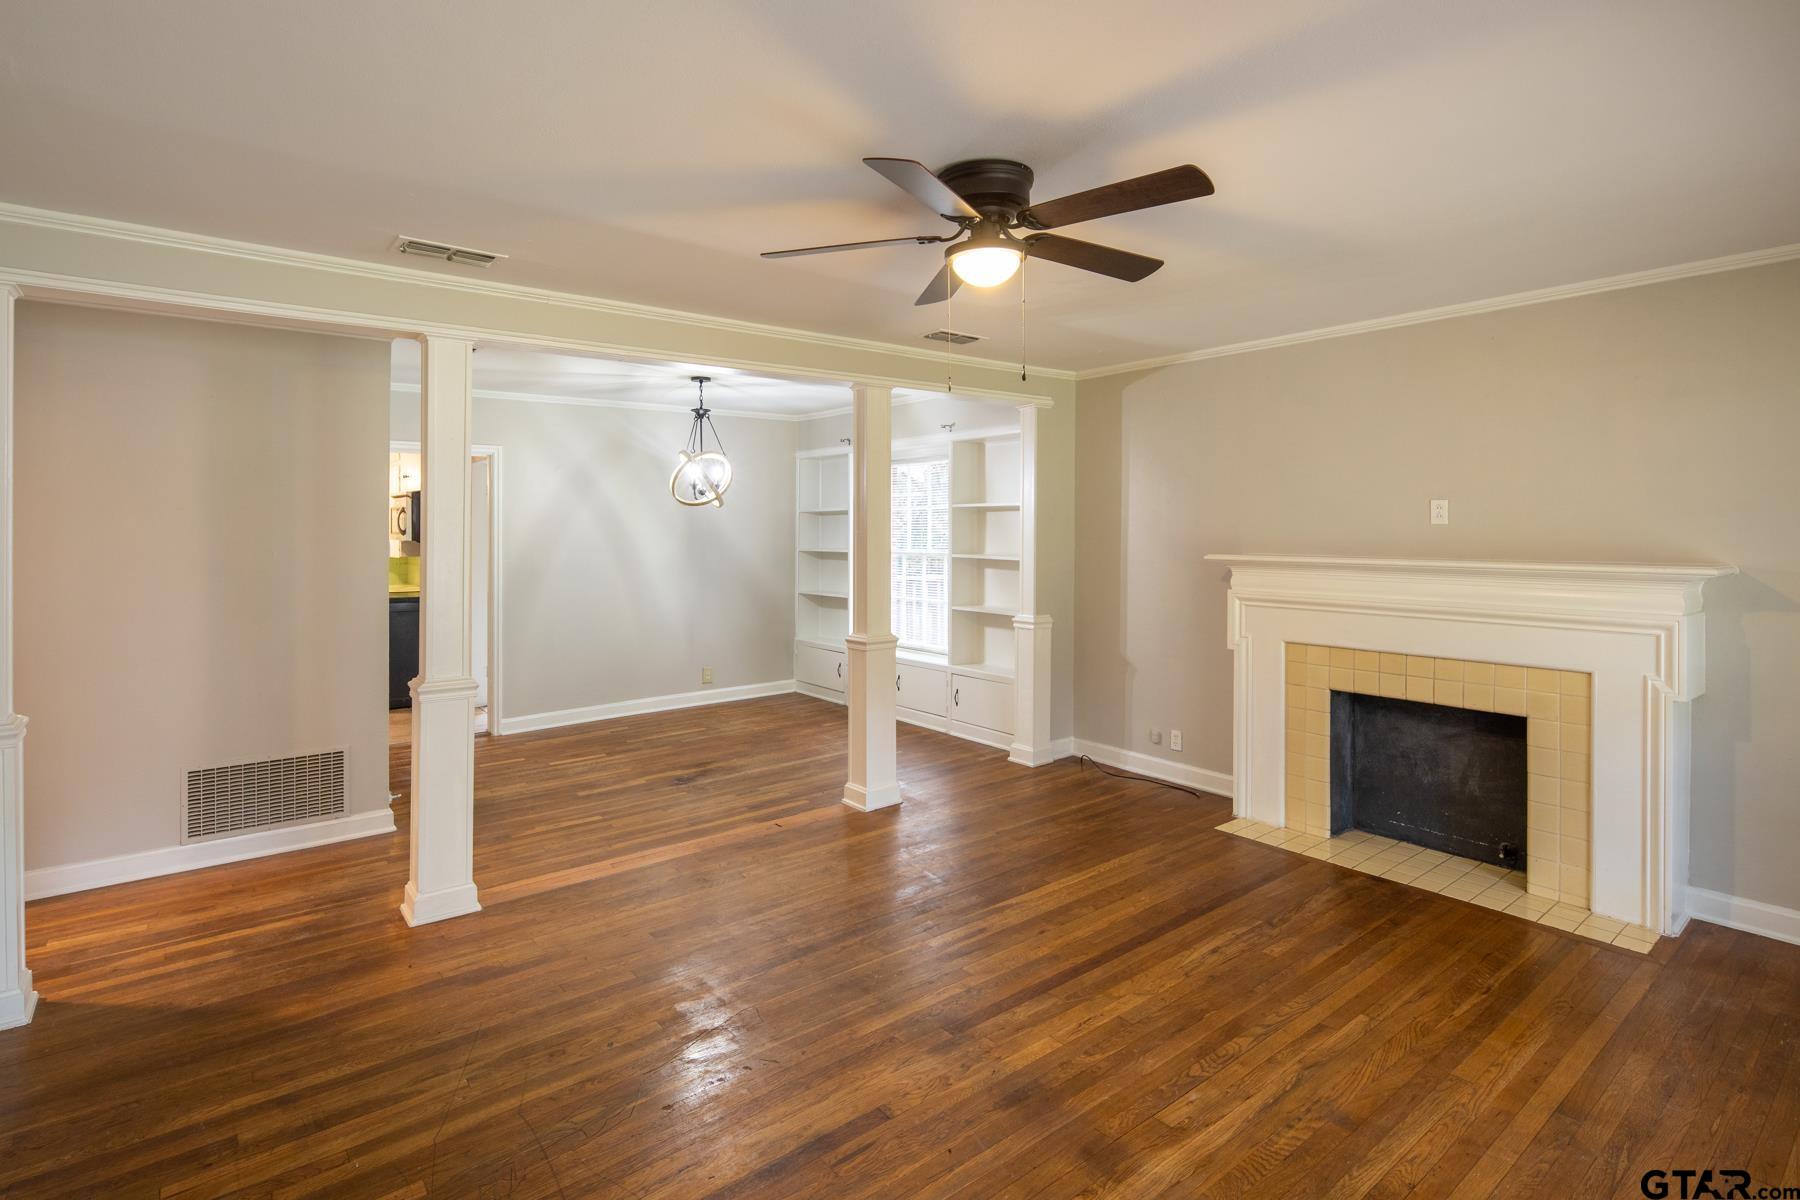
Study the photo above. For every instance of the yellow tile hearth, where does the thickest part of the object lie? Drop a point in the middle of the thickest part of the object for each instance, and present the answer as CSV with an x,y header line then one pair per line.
x,y
1555,704
1448,875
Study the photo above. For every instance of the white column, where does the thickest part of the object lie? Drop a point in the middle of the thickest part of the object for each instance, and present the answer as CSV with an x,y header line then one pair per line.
x,y
1031,629
17,1000
442,882
869,659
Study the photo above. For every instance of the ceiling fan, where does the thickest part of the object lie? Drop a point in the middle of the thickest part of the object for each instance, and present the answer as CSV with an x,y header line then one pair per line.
x,y
989,201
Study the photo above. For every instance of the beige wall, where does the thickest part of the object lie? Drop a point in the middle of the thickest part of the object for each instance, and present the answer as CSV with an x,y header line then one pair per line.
x,y
611,590
1655,424
200,565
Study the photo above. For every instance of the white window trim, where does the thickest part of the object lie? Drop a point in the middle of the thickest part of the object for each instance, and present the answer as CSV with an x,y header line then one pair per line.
x,y
936,454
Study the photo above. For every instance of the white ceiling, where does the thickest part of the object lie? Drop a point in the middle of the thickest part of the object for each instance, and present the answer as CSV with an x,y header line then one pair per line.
x,y
573,377
1371,158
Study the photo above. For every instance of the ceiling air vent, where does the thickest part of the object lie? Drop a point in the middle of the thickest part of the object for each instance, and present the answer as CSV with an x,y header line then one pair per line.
x,y
953,337
447,252
256,795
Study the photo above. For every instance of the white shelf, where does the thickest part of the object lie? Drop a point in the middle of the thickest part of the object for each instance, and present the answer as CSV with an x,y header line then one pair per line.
x,y
998,671
1000,558
990,505
821,541
984,610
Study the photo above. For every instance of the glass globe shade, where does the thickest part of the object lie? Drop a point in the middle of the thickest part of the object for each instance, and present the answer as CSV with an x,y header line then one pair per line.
x,y
985,266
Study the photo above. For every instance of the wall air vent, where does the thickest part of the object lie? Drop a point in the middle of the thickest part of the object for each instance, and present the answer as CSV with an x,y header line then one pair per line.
x,y
953,337
447,252
256,795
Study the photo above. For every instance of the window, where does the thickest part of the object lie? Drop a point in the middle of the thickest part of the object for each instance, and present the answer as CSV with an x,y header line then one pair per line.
x,y
921,546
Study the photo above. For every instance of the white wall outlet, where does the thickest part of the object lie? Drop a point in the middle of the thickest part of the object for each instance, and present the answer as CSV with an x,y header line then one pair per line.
x,y
705,675
1440,512
1174,739
1156,737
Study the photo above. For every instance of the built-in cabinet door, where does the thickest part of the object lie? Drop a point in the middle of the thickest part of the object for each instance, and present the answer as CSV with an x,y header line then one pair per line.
x,y
982,702
819,667
922,689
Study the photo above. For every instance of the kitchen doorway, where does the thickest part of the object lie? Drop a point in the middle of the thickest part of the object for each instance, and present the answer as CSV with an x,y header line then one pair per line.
x,y
405,543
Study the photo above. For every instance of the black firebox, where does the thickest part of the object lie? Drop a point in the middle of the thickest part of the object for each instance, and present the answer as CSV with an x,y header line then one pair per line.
x,y
1450,779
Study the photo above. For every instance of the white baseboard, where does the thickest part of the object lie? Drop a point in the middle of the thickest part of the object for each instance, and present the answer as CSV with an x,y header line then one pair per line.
x,y
1216,783
976,733
103,872
923,720
1751,916
649,704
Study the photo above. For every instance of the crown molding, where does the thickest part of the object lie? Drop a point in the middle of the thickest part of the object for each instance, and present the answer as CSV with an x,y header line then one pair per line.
x,y
1448,312
412,389
20,214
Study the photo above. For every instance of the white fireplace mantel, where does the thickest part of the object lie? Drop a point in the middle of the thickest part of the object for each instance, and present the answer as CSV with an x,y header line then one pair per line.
x,y
1637,629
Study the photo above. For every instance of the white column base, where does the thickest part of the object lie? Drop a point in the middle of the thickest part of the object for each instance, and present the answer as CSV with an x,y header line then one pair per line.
x,y
16,1008
1026,756
869,666
17,1000
438,906
863,800
1031,745
442,882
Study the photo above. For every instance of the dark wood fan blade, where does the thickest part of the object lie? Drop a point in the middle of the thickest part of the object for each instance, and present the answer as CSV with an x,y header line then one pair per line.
x,y
943,285
1128,195
1103,260
923,239
926,188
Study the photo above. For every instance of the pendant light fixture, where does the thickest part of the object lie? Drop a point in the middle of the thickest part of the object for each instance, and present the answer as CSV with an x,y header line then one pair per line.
x,y
701,475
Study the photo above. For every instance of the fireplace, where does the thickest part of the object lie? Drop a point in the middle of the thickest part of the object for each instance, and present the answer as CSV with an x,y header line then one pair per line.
x,y
1482,760
1450,779
1598,659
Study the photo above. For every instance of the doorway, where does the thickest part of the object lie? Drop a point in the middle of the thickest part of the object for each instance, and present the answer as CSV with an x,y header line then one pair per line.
x,y
405,543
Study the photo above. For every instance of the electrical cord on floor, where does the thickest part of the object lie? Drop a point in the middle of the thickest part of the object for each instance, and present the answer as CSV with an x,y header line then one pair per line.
x,y
1087,762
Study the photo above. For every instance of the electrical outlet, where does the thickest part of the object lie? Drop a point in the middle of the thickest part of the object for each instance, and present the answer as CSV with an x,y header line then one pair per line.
x,y
1440,512
705,675
1174,739
1156,737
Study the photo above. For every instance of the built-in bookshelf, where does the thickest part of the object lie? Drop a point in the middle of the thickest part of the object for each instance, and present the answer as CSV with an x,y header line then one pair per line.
x,y
969,690
822,547
984,552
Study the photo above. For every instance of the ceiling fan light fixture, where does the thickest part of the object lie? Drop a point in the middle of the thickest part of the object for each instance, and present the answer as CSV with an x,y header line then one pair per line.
x,y
986,266
988,259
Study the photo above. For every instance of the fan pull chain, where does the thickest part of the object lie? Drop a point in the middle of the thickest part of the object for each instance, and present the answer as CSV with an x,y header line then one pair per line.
x,y
1022,261
949,324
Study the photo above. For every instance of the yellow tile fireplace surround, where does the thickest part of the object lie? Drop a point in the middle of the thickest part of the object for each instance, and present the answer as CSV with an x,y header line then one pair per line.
x,y
1555,705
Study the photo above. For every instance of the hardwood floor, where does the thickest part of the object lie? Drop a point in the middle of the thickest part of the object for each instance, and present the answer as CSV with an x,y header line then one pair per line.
x,y
698,975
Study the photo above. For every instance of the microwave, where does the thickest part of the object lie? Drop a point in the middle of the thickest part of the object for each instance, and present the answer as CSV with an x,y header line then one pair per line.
x,y
405,528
